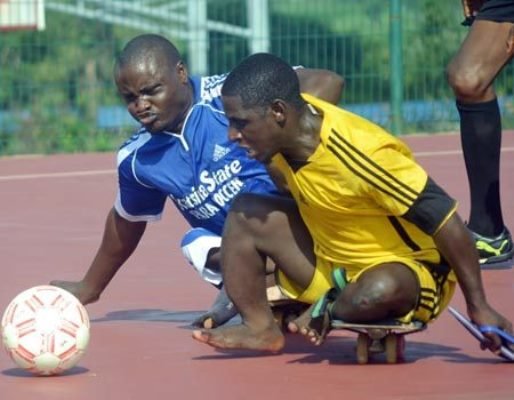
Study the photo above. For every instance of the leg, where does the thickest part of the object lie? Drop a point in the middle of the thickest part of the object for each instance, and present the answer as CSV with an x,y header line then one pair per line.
x,y
258,227
385,291
201,248
471,74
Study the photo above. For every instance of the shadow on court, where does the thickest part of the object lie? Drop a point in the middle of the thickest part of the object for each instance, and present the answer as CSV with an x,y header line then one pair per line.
x,y
339,350
21,373
150,315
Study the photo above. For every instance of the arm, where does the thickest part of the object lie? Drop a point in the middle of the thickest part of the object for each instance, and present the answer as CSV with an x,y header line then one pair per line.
x,y
326,85
119,241
277,178
455,244
433,212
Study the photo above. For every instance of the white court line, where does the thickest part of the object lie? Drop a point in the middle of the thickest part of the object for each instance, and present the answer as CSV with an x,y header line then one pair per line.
x,y
58,174
113,171
449,152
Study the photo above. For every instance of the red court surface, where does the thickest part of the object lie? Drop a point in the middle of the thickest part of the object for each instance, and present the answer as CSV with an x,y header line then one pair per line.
x,y
51,219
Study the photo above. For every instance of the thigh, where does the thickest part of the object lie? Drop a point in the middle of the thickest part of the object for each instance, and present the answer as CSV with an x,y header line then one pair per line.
x,y
434,289
389,289
484,52
276,230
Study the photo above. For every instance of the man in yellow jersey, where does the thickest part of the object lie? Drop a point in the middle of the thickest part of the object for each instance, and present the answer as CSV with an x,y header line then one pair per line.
x,y
361,202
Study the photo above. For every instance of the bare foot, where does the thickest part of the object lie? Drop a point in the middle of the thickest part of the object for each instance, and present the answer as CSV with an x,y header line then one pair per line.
x,y
314,329
242,337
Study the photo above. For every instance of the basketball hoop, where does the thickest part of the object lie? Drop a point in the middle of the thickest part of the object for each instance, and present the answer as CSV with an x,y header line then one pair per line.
x,y
22,15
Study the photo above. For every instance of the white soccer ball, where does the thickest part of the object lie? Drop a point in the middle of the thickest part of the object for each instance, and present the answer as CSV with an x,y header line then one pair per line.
x,y
45,330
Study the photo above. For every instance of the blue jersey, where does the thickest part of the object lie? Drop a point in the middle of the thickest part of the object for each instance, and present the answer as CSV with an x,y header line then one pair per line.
x,y
199,168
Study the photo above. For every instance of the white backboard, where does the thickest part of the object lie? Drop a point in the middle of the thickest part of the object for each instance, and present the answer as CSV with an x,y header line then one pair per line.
x,y
22,14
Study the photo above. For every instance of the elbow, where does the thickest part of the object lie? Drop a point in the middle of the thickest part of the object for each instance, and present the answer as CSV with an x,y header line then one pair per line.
x,y
331,87
337,80
322,83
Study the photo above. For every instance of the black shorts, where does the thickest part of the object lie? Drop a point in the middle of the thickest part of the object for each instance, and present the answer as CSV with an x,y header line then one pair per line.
x,y
497,11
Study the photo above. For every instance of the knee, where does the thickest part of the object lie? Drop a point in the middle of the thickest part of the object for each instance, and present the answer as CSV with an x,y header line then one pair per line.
x,y
467,84
373,294
393,293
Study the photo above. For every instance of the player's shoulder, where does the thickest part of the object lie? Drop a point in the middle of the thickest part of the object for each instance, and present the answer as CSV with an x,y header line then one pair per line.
x,y
207,112
208,88
353,131
131,145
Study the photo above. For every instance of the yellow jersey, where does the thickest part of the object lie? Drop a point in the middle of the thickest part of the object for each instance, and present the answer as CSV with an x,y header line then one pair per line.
x,y
363,196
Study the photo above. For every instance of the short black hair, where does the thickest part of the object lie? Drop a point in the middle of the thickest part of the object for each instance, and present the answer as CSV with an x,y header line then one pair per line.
x,y
148,46
262,78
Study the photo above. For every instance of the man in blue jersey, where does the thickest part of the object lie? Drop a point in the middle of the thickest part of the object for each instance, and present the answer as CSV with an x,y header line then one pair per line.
x,y
182,151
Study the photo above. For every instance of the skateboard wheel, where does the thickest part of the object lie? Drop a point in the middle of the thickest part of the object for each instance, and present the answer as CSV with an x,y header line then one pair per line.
x,y
400,348
363,342
391,348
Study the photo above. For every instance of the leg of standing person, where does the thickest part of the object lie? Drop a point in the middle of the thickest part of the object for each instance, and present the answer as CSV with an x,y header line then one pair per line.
x,y
471,74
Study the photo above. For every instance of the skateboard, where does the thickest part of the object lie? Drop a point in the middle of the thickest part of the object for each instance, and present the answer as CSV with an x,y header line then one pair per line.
x,y
478,332
385,337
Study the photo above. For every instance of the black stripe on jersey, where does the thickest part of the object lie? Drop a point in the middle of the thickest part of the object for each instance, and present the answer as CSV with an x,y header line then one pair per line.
x,y
431,308
439,271
401,192
403,233
428,303
431,208
359,174
428,300
428,291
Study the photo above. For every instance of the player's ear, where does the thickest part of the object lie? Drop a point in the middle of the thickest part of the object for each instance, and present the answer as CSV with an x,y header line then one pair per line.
x,y
182,73
278,111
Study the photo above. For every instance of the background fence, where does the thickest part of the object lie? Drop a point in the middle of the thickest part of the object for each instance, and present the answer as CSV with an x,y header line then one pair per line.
x,y
57,93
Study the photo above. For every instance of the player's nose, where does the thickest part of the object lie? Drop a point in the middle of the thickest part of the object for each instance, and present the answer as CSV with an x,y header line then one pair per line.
x,y
142,104
234,134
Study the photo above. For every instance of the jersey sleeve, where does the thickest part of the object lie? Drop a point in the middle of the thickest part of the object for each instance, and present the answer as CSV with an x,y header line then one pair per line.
x,y
136,201
432,208
402,187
